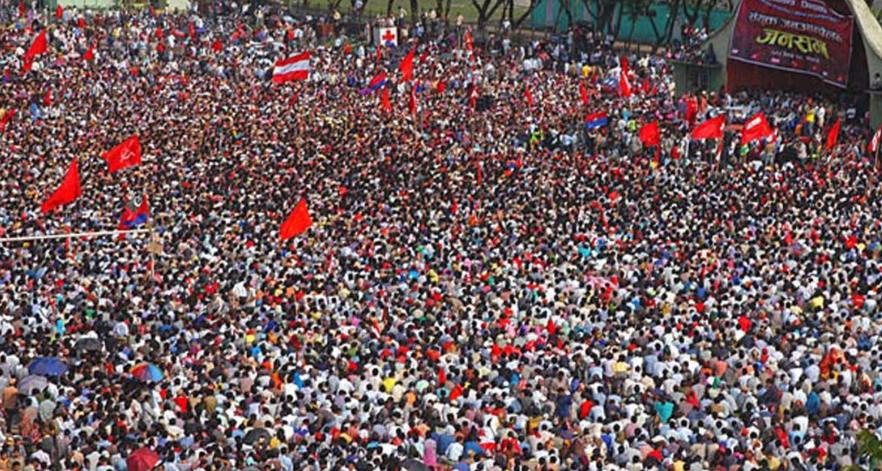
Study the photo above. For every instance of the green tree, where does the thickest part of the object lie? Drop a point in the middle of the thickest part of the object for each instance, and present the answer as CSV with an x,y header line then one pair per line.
x,y
869,446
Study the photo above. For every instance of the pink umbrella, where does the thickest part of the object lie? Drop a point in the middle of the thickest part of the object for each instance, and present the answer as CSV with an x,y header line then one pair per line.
x,y
142,459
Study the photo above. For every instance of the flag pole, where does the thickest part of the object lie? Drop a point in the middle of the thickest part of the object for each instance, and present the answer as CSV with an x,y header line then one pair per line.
x,y
7,240
152,261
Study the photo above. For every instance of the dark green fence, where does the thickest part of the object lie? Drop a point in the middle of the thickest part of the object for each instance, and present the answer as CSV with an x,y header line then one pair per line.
x,y
549,15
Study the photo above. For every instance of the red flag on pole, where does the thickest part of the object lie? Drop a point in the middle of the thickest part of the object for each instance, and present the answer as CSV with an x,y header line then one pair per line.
x,y
874,142
384,100
38,47
297,223
406,66
833,135
584,92
624,85
473,96
68,192
413,103
528,94
755,128
650,135
710,129
124,155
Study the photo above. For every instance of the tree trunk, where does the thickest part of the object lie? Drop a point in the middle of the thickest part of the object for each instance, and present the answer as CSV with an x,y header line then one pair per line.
x,y
414,11
389,4
520,20
618,23
672,21
656,33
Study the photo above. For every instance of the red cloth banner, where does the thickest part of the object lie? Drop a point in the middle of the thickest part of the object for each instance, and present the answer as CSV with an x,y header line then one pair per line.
x,y
803,36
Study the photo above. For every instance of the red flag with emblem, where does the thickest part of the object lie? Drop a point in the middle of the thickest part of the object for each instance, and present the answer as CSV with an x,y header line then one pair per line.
x,y
124,155
755,128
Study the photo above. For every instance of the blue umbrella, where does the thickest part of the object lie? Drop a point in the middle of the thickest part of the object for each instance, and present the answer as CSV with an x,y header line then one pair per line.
x,y
48,366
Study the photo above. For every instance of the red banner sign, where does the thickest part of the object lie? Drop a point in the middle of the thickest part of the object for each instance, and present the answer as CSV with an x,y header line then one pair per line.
x,y
804,36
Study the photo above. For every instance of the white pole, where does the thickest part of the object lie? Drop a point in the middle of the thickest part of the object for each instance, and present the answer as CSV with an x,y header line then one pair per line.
x,y
6,240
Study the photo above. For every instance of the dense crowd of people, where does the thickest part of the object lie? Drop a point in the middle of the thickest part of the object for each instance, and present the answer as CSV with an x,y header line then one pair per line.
x,y
487,284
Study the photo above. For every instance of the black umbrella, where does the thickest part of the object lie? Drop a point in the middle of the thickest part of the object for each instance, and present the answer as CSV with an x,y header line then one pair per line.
x,y
254,435
411,464
88,344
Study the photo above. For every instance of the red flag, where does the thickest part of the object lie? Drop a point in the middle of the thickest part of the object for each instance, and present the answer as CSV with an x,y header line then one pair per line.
x,y
710,129
645,86
158,33
456,393
379,54
38,47
348,49
442,85
90,54
833,135
552,329
424,56
192,30
217,46
624,86
584,92
124,155
650,135
528,94
298,222
406,66
47,98
473,96
22,9
384,100
59,12
413,102
6,117
442,377
623,61
68,192
755,128
874,142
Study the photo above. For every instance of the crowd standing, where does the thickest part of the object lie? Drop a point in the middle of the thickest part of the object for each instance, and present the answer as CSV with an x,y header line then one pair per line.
x,y
487,285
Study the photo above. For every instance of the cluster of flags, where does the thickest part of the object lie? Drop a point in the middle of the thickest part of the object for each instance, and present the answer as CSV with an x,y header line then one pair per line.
x,y
124,155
